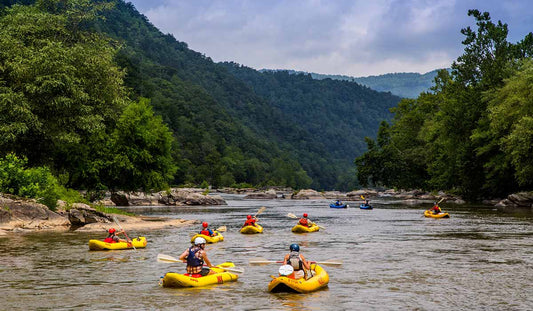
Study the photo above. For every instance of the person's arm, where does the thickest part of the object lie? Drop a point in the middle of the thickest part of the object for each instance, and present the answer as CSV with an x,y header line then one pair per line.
x,y
305,263
184,255
206,260
285,259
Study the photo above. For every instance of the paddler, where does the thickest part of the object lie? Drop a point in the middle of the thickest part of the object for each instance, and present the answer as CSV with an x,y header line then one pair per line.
x,y
195,256
297,261
250,221
113,236
206,230
304,221
435,209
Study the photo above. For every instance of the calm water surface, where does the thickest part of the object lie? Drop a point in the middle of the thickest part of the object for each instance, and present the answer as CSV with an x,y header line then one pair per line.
x,y
394,259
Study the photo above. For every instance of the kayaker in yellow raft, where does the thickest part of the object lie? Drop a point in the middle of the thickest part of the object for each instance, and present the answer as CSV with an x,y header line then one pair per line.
x,y
297,261
306,222
113,236
195,256
250,221
435,209
206,230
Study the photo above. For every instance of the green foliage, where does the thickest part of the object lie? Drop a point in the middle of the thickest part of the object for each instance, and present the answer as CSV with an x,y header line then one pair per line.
x,y
141,150
37,183
472,134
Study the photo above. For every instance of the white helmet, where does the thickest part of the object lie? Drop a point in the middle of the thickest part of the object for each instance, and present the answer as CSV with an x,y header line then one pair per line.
x,y
199,241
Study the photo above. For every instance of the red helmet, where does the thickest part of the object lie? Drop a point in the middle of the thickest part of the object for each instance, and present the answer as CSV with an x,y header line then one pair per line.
x,y
112,230
249,217
305,214
204,224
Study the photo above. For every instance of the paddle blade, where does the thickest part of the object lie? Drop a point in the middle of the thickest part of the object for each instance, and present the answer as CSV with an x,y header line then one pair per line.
x,y
362,196
262,209
291,215
166,258
221,229
234,270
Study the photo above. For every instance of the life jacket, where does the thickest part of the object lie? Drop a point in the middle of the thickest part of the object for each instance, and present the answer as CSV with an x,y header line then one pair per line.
x,y
205,232
192,260
303,222
109,239
295,261
249,222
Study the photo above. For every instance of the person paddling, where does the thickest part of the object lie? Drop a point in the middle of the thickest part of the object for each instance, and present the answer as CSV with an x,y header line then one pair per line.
x,y
297,261
304,221
436,209
250,221
206,231
195,256
113,236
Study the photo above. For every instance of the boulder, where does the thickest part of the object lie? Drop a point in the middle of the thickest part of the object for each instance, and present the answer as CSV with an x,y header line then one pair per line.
x,y
307,194
265,195
182,196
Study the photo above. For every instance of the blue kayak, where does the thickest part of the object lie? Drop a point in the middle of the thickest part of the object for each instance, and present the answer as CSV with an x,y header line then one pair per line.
x,y
362,206
333,205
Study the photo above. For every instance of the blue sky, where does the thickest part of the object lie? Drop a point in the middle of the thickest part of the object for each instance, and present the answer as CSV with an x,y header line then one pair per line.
x,y
348,37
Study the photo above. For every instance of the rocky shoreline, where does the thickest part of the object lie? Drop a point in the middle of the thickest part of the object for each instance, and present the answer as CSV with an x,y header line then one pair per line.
x,y
19,215
24,215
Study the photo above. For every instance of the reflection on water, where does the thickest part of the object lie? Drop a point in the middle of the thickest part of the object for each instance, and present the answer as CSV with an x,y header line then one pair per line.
x,y
394,258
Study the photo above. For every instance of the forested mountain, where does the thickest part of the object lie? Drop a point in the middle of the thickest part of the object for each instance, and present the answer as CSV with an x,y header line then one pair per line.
x,y
85,115
473,134
403,84
338,114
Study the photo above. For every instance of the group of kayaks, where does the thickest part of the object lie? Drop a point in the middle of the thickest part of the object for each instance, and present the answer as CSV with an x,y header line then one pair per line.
x,y
343,205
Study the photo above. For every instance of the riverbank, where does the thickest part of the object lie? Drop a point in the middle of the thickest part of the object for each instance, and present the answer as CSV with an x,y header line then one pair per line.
x,y
18,215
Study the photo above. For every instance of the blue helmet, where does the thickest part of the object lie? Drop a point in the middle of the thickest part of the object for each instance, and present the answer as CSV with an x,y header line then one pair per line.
x,y
294,248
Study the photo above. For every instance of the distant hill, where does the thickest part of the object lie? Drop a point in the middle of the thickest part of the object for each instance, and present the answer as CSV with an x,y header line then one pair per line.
x,y
403,84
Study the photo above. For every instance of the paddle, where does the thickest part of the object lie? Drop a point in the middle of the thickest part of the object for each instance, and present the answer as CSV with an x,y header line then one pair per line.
x,y
262,209
262,261
291,215
116,221
221,229
167,259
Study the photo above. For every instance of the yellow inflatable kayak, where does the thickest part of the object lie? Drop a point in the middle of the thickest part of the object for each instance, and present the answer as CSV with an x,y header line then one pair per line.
x,y
319,280
428,213
209,239
97,245
252,229
172,279
303,229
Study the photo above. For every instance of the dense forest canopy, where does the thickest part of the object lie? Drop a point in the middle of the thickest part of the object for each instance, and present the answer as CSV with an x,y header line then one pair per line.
x,y
76,75
403,84
472,134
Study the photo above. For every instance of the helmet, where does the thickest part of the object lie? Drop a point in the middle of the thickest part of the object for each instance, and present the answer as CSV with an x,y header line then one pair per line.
x,y
204,224
199,241
249,217
112,230
294,248
305,215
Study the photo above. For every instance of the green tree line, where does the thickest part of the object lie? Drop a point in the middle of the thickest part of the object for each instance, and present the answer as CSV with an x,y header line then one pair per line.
x,y
472,133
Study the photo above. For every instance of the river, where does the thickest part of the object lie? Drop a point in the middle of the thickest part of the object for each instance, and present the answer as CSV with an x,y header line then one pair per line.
x,y
394,259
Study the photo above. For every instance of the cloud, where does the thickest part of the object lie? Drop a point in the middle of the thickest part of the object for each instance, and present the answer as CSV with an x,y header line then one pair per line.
x,y
350,37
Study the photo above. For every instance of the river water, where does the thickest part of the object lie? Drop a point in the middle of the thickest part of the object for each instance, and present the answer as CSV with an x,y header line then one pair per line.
x,y
394,259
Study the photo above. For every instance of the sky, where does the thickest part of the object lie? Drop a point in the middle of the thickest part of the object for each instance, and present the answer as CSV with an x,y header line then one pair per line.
x,y
347,37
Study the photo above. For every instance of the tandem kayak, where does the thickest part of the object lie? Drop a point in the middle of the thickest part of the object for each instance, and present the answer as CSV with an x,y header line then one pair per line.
x,y
172,279
209,239
252,229
439,215
304,229
333,205
362,206
98,245
319,280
